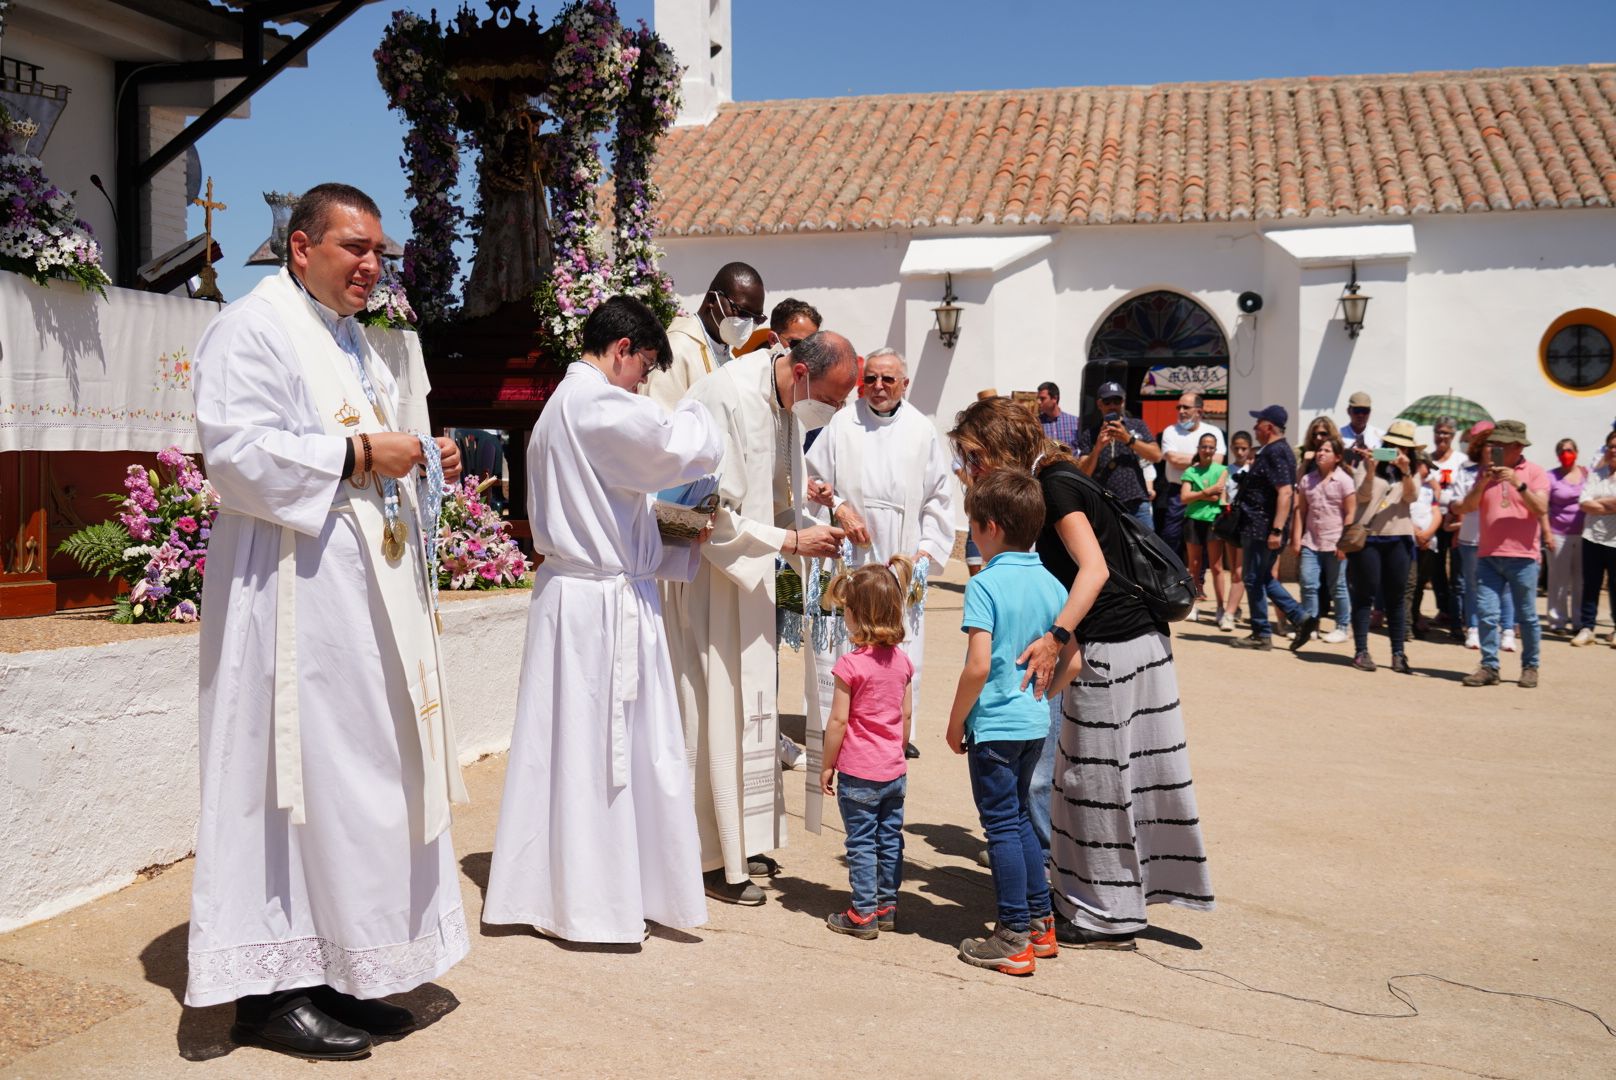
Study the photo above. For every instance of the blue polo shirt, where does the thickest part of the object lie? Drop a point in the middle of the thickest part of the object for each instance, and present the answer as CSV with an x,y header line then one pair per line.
x,y
1015,600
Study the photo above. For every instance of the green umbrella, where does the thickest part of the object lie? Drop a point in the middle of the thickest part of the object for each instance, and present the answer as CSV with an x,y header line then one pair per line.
x,y
1433,407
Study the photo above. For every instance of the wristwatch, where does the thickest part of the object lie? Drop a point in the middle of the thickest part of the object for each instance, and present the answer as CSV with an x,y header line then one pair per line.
x,y
1521,487
1276,532
1060,634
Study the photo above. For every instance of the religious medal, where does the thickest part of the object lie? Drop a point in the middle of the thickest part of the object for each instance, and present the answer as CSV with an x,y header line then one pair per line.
x,y
392,546
393,532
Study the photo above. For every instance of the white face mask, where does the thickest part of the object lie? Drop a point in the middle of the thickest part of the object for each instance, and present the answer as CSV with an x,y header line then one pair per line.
x,y
734,331
812,414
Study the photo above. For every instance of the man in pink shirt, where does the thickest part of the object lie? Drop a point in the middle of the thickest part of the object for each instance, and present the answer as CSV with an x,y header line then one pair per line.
x,y
1512,495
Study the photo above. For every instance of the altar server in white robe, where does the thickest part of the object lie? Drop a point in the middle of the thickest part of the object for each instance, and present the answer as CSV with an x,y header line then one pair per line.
x,y
597,831
881,469
325,877
722,625
727,316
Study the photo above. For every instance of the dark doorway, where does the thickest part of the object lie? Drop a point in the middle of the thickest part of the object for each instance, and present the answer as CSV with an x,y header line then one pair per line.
x,y
1157,345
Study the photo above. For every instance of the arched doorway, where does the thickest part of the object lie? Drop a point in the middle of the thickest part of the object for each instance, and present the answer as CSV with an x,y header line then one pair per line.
x,y
1158,345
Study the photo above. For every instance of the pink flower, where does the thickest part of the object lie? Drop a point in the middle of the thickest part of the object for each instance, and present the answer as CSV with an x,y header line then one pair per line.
x,y
186,524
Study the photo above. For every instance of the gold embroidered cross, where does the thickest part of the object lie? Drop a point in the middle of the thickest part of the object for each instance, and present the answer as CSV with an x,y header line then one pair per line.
x,y
428,710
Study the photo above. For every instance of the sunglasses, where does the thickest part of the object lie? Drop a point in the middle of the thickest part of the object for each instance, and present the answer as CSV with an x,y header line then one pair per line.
x,y
886,380
1358,412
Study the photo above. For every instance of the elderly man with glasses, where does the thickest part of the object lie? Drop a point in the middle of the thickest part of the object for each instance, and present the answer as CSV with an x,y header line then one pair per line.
x,y
882,470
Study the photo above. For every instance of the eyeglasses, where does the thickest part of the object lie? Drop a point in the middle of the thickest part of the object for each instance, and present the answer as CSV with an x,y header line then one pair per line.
x,y
755,316
1186,408
886,380
648,360
791,342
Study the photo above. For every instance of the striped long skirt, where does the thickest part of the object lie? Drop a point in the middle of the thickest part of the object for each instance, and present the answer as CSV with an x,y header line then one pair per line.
x,y
1124,829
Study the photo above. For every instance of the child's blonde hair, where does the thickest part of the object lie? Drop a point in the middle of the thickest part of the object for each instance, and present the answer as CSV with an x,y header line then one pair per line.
x,y
872,600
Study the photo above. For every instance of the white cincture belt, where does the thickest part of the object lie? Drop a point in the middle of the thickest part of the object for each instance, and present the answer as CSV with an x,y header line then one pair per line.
x,y
625,650
883,504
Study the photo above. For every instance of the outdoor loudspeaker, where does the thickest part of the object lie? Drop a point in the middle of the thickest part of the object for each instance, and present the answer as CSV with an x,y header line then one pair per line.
x,y
1250,302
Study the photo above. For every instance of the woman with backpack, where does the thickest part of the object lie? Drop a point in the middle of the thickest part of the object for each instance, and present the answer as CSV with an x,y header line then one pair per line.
x,y
1122,829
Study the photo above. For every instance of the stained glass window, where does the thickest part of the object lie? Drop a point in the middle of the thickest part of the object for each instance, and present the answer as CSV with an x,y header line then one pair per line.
x,y
1159,325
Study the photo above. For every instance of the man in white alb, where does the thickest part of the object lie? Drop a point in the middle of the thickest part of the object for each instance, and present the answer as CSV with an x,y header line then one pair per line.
x,y
325,876
881,469
597,830
722,625
729,313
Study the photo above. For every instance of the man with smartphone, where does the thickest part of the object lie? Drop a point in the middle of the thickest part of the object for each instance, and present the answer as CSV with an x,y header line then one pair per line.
x,y
1512,494
1358,434
1111,449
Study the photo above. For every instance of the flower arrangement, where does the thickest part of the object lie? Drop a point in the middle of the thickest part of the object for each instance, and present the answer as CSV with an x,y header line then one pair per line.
x,y
644,117
590,77
475,548
158,543
410,67
389,305
41,236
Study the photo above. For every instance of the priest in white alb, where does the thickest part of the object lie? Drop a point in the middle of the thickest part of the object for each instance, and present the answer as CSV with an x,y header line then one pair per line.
x,y
729,313
597,830
325,877
881,469
722,625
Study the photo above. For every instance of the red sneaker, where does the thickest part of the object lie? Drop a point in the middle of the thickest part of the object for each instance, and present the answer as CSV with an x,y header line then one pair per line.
x,y
886,917
1042,936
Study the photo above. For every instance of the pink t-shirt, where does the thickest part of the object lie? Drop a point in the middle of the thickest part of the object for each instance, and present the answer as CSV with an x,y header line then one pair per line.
x,y
877,675
1322,527
1509,529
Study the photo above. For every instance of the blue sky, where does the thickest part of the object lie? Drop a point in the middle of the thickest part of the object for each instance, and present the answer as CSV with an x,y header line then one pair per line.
x,y
329,121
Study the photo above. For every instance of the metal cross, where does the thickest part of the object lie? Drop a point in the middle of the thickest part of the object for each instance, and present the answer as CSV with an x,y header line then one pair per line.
x,y
210,280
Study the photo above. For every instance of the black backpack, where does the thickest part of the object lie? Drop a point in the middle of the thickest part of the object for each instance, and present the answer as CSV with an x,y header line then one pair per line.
x,y
1153,573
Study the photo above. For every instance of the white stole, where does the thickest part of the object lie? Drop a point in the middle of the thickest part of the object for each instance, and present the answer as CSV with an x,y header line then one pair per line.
x,y
405,591
910,464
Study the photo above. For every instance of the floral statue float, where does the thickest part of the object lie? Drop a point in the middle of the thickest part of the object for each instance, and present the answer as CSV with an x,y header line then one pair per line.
x,y
536,103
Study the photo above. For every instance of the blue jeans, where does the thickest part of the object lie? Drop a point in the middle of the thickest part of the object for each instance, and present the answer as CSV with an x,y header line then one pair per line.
x,y
1001,779
1468,565
1495,576
1257,558
1323,569
872,814
1146,515
1042,788
1172,529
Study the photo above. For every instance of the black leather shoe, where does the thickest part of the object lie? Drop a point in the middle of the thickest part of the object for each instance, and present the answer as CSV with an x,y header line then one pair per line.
x,y
1305,633
911,751
375,1016
289,1023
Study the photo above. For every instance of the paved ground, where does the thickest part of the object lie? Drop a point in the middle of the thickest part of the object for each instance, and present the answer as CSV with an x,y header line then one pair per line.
x,y
1360,827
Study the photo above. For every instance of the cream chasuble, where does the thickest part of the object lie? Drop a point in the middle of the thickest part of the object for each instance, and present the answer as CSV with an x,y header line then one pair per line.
x,y
695,356
328,758
722,625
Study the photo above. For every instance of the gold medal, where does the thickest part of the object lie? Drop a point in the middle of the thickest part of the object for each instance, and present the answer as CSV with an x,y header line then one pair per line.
x,y
394,536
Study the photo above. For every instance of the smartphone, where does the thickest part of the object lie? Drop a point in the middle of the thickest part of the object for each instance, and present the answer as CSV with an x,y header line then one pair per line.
x,y
1384,453
1495,454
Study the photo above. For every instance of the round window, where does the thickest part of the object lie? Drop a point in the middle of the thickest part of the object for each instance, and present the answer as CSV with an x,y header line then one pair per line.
x,y
1579,356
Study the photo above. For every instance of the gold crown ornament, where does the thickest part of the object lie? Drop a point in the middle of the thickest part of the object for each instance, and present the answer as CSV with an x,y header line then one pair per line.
x,y
347,416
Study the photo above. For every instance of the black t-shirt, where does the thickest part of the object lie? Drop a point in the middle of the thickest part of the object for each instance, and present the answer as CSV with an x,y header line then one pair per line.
x,y
1117,615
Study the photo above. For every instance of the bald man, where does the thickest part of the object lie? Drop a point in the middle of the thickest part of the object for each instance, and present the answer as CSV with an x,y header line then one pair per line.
x,y
730,311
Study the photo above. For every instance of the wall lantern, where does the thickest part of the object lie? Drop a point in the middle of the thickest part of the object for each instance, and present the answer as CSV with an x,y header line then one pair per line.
x,y
1353,305
948,314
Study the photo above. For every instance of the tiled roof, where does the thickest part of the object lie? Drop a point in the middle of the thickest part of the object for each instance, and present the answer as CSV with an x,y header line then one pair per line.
x,y
1355,146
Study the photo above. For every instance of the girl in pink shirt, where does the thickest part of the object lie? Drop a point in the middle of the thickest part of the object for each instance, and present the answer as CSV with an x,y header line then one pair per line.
x,y
869,724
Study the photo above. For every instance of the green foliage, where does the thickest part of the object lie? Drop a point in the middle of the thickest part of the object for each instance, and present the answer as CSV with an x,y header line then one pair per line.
x,y
98,548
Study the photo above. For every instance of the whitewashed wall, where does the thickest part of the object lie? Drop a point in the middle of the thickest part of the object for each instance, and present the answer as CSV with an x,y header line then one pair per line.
x,y
1465,313
98,751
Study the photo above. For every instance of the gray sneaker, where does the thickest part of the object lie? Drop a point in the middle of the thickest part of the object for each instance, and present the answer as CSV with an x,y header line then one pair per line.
x,y
1004,951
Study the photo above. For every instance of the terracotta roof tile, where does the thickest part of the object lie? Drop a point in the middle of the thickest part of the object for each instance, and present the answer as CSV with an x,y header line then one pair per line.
x,y
1359,146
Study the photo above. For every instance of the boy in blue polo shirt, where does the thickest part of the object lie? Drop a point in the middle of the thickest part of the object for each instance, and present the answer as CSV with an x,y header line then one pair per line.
x,y
996,722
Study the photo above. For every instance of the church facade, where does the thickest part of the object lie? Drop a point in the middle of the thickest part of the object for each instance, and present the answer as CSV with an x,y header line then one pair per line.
x,y
1191,236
